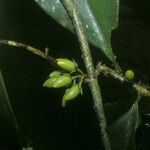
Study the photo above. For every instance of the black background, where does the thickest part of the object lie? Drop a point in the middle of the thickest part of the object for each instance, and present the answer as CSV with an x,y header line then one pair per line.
x,y
43,123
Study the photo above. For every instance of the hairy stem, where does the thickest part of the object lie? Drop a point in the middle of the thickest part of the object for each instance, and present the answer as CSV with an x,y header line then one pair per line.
x,y
94,86
142,89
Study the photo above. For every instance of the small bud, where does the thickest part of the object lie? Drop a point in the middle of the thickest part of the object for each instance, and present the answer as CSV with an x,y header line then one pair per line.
x,y
66,64
62,81
55,74
129,74
70,94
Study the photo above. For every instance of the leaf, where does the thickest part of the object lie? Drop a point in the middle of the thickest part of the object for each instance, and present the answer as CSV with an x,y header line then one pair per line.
x,y
122,131
99,17
106,14
8,123
114,110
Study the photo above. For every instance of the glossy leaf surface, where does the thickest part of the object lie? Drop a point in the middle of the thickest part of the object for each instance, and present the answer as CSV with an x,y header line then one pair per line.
x,y
98,16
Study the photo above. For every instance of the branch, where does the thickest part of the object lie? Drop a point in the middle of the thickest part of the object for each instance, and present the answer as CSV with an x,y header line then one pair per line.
x,y
140,88
94,86
29,48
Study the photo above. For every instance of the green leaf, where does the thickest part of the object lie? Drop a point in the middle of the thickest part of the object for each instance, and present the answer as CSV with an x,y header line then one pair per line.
x,y
8,123
122,131
98,16
106,14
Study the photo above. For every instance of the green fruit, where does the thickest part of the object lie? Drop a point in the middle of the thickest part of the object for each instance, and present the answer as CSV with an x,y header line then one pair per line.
x,y
62,81
66,64
129,74
70,94
49,82
55,74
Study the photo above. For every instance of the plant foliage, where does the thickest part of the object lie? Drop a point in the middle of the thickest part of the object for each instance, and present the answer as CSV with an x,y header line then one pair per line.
x,y
99,17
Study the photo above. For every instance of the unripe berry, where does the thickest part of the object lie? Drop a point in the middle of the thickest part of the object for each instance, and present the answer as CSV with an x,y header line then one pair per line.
x,y
49,82
62,81
66,64
129,74
55,74
70,94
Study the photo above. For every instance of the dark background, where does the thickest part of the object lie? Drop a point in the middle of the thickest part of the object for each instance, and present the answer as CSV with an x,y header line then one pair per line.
x,y
43,123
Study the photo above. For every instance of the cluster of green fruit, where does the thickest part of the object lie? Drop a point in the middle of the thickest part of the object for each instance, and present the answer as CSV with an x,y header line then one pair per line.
x,y
58,79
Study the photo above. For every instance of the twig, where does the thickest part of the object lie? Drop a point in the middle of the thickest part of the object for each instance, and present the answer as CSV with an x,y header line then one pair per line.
x,y
108,71
140,88
95,89
29,48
